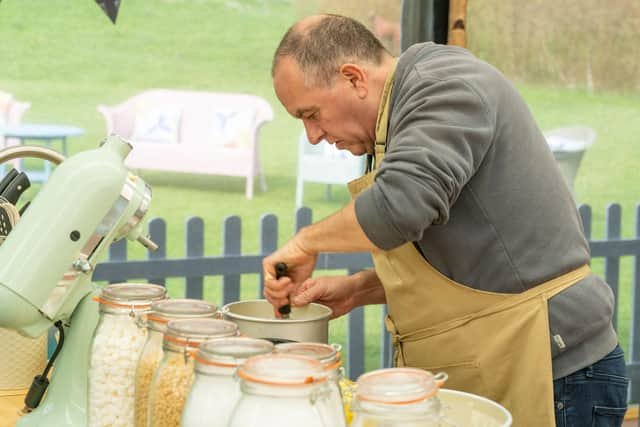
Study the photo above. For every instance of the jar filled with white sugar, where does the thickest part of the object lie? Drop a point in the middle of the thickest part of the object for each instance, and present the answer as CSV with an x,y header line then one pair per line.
x,y
280,390
172,380
161,313
330,358
115,348
215,390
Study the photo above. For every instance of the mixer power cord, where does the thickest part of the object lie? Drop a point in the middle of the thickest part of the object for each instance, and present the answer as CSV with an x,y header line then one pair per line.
x,y
41,382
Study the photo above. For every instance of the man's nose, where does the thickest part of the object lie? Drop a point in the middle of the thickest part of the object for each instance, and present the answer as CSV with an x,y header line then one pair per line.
x,y
314,133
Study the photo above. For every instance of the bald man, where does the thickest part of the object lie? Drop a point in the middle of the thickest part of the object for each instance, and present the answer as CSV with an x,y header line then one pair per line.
x,y
478,247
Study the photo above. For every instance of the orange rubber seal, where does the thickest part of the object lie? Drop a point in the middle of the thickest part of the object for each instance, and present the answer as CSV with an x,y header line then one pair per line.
x,y
212,363
334,365
157,319
181,341
304,382
116,304
439,382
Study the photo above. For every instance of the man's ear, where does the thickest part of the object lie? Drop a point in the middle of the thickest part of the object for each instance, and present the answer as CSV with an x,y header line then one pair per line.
x,y
356,77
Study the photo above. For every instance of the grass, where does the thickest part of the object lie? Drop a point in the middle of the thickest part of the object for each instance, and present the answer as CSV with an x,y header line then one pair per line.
x,y
66,58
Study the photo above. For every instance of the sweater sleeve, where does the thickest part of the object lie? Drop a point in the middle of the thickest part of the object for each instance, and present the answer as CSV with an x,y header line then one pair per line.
x,y
439,132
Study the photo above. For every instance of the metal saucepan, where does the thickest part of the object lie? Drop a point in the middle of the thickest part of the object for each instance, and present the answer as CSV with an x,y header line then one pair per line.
x,y
255,318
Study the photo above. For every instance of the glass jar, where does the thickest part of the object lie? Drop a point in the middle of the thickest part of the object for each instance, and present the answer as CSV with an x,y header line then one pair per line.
x,y
215,390
161,313
397,397
172,380
282,390
116,345
330,358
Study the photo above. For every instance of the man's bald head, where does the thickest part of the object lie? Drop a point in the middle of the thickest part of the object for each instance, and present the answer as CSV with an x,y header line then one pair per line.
x,y
320,44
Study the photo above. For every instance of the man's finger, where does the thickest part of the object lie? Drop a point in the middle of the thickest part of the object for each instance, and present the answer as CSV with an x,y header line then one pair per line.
x,y
307,293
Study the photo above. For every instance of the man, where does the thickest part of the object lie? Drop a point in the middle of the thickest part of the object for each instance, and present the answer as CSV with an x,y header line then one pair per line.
x,y
477,244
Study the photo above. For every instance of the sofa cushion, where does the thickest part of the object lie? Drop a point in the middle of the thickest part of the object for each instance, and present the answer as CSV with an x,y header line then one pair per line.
x,y
232,128
157,123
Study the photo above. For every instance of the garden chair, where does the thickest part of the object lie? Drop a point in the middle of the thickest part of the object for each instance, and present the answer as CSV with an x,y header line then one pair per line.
x,y
568,145
324,163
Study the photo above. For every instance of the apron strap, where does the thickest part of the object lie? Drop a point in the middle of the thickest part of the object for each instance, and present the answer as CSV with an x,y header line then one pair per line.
x,y
382,121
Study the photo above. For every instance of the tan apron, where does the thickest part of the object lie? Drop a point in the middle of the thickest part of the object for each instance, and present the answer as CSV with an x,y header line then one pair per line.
x,y
492,344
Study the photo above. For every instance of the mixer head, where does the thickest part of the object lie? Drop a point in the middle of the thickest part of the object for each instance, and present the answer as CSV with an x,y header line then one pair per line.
x,y
47,259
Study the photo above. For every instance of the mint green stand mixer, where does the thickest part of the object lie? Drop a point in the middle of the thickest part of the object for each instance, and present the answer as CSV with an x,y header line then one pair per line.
x,y
46,262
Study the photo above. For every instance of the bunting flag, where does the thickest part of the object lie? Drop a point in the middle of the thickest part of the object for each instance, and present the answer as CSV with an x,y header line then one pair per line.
x,y
110,8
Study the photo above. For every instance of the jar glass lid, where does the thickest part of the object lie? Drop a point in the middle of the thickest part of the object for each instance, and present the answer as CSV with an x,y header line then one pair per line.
x,y
282,370
132,294
193,331
162,311
398,385
231,351
326,354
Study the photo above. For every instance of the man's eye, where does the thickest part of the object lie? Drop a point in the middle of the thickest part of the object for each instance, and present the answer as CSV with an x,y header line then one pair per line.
x,y
312,116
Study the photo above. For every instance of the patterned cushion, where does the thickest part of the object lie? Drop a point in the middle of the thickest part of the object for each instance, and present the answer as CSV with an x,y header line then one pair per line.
x,y
157,123
231,128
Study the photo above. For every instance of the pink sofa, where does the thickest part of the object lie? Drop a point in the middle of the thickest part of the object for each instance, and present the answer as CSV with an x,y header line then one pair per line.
x,y
192,132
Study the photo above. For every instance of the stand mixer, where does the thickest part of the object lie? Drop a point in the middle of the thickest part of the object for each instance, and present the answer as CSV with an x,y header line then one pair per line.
x,y
46,262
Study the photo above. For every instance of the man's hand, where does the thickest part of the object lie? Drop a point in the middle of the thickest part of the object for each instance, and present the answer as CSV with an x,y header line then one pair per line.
x,y
339,232
336,292
300,264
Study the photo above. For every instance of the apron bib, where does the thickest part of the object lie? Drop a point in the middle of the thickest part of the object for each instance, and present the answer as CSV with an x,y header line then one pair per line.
x,y
491,344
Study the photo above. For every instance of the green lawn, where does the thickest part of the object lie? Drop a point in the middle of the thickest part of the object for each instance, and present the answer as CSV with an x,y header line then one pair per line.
x,y
66,58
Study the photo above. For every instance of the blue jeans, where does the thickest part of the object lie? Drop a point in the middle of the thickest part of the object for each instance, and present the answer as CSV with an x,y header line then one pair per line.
x,y
595,396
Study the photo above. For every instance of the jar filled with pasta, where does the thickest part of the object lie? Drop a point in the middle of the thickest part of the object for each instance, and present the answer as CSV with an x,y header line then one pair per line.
x,y
161,313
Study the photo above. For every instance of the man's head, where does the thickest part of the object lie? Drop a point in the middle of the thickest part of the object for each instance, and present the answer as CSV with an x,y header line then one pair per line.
x,y
329,71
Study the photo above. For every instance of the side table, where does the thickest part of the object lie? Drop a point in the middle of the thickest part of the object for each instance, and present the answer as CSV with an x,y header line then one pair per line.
x,y
46,133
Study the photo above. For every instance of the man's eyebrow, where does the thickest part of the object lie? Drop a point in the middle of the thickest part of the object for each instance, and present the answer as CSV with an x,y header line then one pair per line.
x,y
301,111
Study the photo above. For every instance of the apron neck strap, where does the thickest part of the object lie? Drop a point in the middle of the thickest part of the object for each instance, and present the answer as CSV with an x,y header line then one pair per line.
x,y
382,121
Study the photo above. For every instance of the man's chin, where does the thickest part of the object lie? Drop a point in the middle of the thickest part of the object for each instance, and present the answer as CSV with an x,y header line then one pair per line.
x,y
354,149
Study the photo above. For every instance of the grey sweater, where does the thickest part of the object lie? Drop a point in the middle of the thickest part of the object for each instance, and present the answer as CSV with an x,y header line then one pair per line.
x,y
469,177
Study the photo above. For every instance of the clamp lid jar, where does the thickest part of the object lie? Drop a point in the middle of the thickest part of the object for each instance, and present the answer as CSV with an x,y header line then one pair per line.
x,y
329,357
115,348
215,390
173,378
161,313
282,389
399,397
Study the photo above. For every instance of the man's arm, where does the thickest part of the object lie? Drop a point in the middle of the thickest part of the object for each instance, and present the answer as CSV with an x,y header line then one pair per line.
x,y
340,232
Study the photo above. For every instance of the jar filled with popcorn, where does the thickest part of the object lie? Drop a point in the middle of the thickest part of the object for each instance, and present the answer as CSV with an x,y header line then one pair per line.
x,y
215,390
161,313
397,397
172,380
115,349
279,390
330,358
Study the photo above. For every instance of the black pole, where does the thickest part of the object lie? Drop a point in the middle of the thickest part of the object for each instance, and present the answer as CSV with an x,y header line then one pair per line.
x,y
424,20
